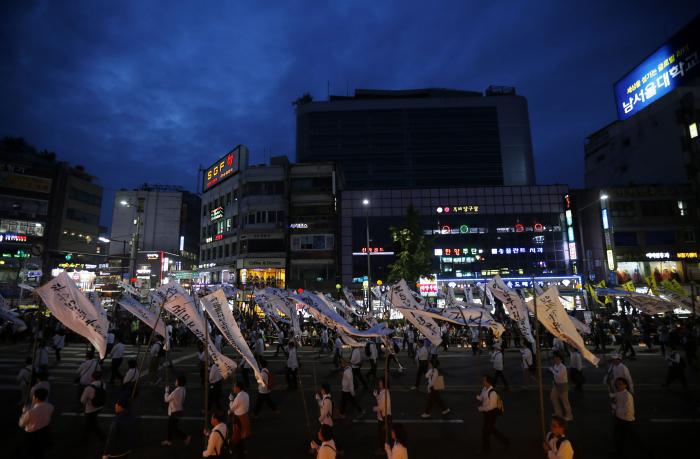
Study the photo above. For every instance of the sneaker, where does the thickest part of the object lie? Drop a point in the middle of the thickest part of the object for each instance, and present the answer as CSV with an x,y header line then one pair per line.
x,y
445,411
166,443
188,440
425,415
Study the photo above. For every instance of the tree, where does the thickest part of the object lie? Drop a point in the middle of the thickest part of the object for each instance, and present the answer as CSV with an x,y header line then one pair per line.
x,y
412,250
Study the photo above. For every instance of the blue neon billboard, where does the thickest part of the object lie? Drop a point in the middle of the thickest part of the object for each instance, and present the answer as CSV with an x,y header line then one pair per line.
x,y
674,63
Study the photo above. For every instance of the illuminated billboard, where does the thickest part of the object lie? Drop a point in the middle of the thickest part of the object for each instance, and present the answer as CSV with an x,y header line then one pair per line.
x,y
670,66
222,169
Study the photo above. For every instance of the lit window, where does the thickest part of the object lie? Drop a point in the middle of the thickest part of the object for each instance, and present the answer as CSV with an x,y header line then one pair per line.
x,y
693,130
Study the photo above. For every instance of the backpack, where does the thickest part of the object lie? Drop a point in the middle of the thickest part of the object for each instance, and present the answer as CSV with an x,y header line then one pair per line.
x,y
500,408
100,397
367,350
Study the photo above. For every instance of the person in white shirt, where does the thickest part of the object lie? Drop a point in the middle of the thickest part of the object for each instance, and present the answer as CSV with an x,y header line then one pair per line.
x,y
373,354
383,410
356,364
238,408
280,343
397,450
497,361
35,422
556,445
93,407
434,397
348,391
576,369
623,411
59,342
292,366
117,356
326,449
176,404
527,364
264,390
217,436
488,406
560,390
617,369
422,362
325,405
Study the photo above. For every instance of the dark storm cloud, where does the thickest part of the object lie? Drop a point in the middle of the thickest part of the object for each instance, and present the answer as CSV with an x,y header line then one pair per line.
x,y
146,91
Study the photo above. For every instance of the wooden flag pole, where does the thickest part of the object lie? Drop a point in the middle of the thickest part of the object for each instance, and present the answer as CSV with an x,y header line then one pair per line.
x,y
539,362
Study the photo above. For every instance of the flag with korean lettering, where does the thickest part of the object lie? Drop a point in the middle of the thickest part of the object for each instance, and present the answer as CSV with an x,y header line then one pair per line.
x,y
402,300
551,313
513,302
177,302
74,310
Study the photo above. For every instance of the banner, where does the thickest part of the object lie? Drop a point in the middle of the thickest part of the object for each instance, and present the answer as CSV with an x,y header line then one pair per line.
x,y
332,320
513,302
402,300
217,307
551,313
146,316
75,311
181,305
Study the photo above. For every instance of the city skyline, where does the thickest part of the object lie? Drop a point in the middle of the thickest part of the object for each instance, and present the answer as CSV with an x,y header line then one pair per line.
x,y
160,101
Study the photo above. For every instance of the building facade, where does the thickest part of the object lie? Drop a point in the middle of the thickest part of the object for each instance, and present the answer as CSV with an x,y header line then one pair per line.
x,y
163,221
518,232
417,138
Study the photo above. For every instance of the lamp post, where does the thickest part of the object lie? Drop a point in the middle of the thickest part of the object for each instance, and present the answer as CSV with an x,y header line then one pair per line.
x,y
365,203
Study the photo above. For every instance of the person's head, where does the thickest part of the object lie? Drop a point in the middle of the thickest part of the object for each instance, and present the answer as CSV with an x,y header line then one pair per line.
x,y
217,417
131,363
558,426
487,381
96,375
621,384
122,404
325,388
40,395
181,380
398,433
325,432
263,363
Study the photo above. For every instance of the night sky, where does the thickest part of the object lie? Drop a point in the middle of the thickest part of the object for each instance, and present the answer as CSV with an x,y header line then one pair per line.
x,y
145,91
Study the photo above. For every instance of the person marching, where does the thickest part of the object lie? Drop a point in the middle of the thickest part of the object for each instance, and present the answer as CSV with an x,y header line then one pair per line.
x,y
176,402
560,390
93,399
383,410
292,366
422,362
265,390
489,407
397,450
623,412
497,360
35,421
436,385
238,408
556,445
216,436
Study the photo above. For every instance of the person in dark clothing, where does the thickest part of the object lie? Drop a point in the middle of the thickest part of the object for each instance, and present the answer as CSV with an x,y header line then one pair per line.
x,y
121,436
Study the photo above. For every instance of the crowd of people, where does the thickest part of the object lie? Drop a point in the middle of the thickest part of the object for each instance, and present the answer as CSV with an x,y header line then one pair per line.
x,y
230,416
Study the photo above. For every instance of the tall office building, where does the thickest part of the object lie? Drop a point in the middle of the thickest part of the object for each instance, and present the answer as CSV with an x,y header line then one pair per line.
x,y
420,138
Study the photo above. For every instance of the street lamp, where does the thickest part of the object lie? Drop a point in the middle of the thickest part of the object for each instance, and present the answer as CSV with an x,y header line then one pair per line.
x,y
365,203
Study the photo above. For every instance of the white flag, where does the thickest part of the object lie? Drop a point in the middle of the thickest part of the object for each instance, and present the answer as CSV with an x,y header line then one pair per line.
x,y
218,309
402,300
551,313
182,306
514,304
146,316
74,310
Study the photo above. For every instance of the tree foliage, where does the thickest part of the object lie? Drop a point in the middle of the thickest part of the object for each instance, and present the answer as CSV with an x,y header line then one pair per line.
x,y
412,249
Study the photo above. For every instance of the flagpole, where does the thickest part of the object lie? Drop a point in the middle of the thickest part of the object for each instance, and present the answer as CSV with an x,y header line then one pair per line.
x,y
539,361
148,347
